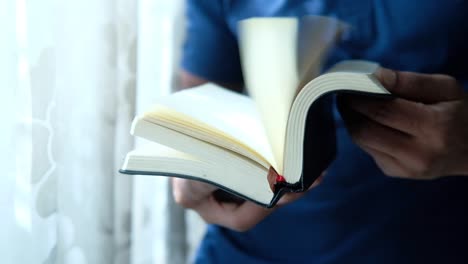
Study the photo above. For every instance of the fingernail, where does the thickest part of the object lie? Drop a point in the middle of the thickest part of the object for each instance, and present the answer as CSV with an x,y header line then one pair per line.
x,y
387,77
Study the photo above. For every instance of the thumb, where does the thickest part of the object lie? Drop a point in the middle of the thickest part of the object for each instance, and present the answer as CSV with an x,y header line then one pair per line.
x,y
418,87
291,197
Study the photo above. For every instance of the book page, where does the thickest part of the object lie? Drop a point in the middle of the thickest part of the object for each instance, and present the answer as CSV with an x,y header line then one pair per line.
x,y
279,56
268,48
218,116
317,35
245,181
346,76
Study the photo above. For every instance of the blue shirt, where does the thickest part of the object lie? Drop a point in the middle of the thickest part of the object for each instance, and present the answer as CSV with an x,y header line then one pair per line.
x,y
357,214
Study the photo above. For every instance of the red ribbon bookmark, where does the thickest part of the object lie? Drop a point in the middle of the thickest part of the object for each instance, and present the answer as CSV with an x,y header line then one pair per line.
x,y
280,178
273,178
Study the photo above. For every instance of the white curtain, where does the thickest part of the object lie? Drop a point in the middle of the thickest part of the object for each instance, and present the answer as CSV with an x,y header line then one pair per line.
x,y
72,76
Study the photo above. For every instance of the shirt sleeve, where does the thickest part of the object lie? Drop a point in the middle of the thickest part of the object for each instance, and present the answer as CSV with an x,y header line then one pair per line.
x,y
210,49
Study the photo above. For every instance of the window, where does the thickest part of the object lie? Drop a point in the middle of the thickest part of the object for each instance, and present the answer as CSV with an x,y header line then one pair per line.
x,y
72,76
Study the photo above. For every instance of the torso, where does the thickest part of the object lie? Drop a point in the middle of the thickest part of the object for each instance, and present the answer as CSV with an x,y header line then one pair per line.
x,y
358,215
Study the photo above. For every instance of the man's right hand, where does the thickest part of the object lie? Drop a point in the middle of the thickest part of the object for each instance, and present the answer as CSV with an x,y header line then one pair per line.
x,y
239,217
199,197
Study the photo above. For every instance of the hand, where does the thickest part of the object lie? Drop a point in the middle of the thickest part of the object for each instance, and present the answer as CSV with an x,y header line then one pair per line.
x,y
422,134
240,217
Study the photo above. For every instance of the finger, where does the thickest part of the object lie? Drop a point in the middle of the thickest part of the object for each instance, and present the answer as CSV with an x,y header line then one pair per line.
x,y
389,165
237,217
367,133
402,168
291,197
189,193
225,197
397,156
418,87
400,114
248,215
318,180
410,153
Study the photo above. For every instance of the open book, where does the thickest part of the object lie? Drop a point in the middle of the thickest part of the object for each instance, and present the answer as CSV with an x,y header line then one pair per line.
x,y
276,141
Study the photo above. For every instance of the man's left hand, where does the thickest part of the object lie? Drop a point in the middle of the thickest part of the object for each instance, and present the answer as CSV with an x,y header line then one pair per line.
x,y
422,134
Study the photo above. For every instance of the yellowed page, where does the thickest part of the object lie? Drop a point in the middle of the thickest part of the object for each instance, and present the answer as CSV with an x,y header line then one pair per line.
x,y
317,34
279,56
268,48
218,116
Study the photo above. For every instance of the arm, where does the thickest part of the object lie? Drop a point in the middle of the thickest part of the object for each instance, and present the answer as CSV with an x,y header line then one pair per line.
x,y
423,134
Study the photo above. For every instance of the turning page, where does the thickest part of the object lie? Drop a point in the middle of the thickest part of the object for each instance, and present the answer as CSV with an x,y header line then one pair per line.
x,y
269,49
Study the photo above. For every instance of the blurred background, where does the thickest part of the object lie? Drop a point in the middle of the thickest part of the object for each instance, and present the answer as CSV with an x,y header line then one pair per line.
x,y
73,74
